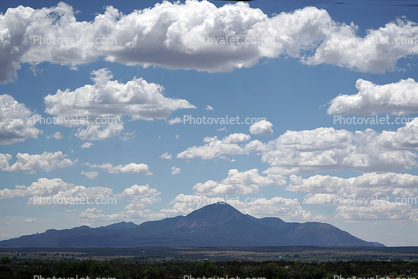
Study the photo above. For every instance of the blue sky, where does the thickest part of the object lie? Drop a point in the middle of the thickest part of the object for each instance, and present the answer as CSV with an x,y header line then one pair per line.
x,y
313,62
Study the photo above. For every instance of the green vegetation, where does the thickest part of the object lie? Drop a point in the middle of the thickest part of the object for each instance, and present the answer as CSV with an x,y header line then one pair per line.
x,y
124,268
193,254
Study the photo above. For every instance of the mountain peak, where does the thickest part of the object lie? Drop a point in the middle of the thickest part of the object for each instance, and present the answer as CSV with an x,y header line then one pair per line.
x,y
216,210
211,215
216,207
218,224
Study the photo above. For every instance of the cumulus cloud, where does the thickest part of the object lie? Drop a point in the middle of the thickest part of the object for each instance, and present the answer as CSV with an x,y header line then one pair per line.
x,y
330,189
194,35
209,107
73,196
129,168
31,220
44,187
175,121
55,192
384,210
166,156
286,209
262,128
394,98
175,170
371,196
56,135
86,145
321,149
216,148
17,122
325,149
90,174
141,197
98,109
46,161
93,214
238,183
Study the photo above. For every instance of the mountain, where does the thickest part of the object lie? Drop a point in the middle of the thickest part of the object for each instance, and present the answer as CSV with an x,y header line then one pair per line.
x,y
217,224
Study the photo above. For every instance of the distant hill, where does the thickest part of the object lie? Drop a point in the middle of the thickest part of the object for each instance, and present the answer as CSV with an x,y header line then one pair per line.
x,y
217,224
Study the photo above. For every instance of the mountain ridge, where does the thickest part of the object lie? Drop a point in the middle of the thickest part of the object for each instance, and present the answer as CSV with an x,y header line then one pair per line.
x,y
217,224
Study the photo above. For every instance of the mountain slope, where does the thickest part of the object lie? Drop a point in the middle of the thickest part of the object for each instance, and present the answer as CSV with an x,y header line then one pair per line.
x,y
213,225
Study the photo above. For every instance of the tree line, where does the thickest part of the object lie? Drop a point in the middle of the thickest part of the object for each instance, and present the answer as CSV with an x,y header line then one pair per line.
x,y
132,269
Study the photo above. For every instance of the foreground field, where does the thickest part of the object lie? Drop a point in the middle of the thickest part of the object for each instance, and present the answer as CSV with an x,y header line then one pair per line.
x,y
164,254
123,268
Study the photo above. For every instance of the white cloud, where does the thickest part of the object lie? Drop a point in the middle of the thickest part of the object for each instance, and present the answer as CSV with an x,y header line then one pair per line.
x,y
175,121
255,146
31,220
139,191
100,132
177,35
86,145
92,214
325,149
128,136
166,156
56,192
371,196
129,168
175,170
43,187
394,98
56,135
238,183
367,187
73,196
17,122
142,196
262,127
286,209
209,107
237,137
216,148
321,149
223,129
90,174
46,161
99,108
380,211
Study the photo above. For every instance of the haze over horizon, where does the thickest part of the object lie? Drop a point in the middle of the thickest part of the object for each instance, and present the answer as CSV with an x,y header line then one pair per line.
x,y
305,111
